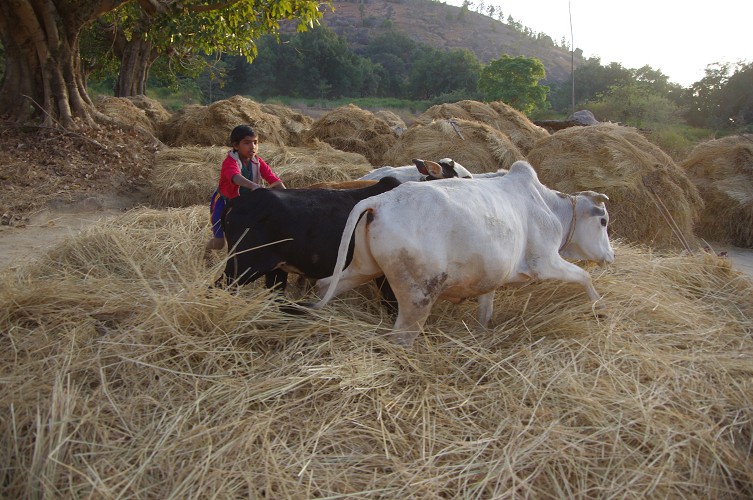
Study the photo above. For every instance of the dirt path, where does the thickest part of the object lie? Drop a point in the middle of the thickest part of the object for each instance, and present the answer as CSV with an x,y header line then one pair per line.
x,y
45,229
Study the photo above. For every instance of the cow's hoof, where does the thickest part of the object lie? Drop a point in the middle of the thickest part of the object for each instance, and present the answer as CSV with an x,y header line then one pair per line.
x,y
403,340
294,309
220,282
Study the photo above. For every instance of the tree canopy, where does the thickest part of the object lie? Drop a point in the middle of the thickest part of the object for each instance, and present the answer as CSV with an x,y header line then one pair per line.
x,y
515,80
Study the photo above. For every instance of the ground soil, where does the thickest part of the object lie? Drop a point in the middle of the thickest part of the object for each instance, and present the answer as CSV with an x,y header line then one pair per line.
x,y
55,183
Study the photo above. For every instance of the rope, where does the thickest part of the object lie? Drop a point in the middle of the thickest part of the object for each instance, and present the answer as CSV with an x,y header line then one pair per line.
x,y
571,231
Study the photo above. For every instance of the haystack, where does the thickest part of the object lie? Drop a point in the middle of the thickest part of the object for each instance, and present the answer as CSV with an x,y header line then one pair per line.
x,y
722,170
152,107
299,167
475,145
355,130
211,125
392,119
185,176
124,373
125,111
639,178
508,120
296,124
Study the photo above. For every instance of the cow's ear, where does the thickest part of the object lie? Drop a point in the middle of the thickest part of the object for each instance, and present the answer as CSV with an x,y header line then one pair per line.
x,y
421,166
594,196
434,169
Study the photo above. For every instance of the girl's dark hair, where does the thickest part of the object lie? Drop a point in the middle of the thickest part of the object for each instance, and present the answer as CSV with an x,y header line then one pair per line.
x,y
240,132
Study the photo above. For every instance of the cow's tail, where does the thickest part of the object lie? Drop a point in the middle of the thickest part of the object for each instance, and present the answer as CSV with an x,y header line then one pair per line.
x,y
342,252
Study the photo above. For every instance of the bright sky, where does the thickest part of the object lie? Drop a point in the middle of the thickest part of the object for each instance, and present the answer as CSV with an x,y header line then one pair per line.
x,y
678,37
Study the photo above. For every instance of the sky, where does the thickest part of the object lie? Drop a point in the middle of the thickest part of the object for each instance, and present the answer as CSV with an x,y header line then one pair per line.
x,y
678,37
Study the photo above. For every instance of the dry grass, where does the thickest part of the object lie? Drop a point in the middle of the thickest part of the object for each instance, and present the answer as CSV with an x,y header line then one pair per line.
x,y
211,125
722,170
123,375
187,176
475,145
508,120
618,161
296,124
133,111
355,130
299,167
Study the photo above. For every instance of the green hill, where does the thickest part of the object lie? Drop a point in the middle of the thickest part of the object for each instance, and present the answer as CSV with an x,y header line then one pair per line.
x,y
445,26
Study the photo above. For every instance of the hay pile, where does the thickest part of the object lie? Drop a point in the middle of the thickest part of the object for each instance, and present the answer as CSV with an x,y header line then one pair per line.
x,y
299,167
614,160
126,111
185,176
154,110
211,125
392,119
296,124
722,170
475,145
350,128
125,376
508,120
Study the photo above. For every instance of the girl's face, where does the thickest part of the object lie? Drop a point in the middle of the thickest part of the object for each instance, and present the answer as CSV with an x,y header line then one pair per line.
x,y
247,148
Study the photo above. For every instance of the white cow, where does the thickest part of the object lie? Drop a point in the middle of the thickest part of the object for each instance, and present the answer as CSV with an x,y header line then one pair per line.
x,y
452,239
421,170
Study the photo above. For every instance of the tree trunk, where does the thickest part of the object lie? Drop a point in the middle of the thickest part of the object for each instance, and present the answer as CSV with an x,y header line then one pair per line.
x,y
136,58
43,80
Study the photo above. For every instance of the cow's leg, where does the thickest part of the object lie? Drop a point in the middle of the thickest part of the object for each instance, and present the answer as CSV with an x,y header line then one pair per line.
x,y
350,279
560,269
410,321
276,279
485,308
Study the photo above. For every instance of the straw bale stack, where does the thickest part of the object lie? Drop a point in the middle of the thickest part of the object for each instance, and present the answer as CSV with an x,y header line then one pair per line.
x,y
296,124
475,145
125,375
185,176
722,170
392,119
317,161
508,120
126,111
619,161
152,107
211,125
355,130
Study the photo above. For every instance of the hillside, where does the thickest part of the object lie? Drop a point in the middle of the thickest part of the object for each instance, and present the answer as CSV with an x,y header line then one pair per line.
x,y
442,26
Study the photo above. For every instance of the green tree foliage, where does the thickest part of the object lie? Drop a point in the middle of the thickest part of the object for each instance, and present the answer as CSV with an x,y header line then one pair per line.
x,y
635,105
186,31
319,64
314,64
591,79
394,51
515,81
721,100
435,72
736,99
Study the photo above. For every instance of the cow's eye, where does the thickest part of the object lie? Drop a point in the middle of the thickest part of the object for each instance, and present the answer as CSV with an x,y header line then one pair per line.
x,y
604,222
